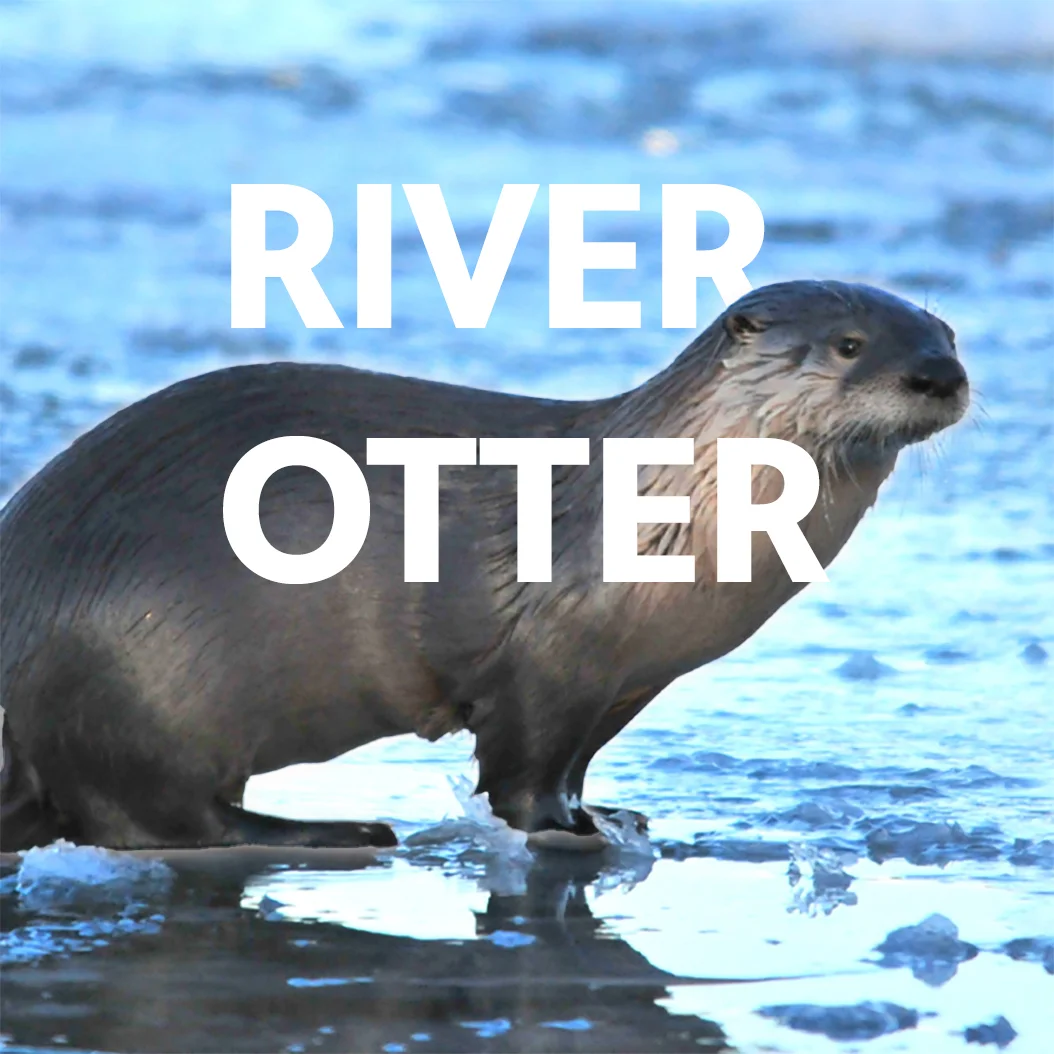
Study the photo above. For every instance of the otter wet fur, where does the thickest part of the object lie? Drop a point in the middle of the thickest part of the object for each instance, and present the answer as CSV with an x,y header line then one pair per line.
x,y
147,673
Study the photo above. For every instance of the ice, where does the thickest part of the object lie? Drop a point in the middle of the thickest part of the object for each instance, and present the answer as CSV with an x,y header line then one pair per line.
x,y
622,871
62,876
136,270
930,842
1034,949
478,825
1000,1032
83,897
863,666
750,851
793,769
826,882
932,949
624,835
970,776
811,814
65,935
476,837
700,761
489,831
496,838
1040,854
1034,653
862,1021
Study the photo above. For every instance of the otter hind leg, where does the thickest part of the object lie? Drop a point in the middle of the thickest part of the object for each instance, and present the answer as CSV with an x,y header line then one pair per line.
x,y
242,827
27,817
207,825
219,824
94,757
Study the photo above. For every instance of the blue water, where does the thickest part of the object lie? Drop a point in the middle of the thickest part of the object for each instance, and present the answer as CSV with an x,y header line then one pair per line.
x,y
893,725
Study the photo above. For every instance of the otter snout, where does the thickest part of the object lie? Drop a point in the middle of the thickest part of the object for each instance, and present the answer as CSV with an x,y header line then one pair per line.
x,y
936,375
935,393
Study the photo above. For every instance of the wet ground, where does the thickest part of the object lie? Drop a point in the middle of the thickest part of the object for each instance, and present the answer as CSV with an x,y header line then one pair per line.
x,y
852,840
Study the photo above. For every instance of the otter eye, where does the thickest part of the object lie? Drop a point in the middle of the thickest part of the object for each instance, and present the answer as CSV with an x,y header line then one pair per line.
x,y
849,347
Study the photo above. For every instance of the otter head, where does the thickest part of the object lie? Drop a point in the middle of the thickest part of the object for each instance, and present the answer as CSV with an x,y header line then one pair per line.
x,y
845,370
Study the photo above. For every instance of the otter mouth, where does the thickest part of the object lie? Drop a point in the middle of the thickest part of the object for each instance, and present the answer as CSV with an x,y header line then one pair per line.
x,y
935,414
893,412
900,422
920,430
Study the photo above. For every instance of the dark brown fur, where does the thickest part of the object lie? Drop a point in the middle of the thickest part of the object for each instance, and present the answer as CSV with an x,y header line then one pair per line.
x,y
147,674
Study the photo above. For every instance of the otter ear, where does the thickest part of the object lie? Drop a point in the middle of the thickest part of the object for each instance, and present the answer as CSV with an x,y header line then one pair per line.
x,y
742,327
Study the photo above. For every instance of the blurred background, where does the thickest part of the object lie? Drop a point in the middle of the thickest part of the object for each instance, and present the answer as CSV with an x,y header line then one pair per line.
x,y
899,715
904,143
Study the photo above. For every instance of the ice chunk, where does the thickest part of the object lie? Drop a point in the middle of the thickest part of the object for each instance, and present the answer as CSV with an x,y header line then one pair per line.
x,y
489,831
1035,949
1024,852
932,949
770,768
69,934
82,898
863,666
477,837
826,882
862,1021
63,876
624,833
1034,653
753,851
812,814
930,842
1000,1032
478,825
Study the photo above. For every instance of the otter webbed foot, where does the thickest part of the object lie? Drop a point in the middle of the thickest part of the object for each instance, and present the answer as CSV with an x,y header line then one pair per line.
x,y
585,828
549,819
242,827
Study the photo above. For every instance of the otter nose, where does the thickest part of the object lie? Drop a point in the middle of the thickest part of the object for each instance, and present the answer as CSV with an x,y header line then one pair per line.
x,y
939,376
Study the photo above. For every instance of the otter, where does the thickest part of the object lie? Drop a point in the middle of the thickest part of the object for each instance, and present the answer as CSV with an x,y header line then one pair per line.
x,y
147,674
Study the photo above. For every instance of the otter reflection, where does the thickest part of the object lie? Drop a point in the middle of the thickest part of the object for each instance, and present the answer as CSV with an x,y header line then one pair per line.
x,y
217,978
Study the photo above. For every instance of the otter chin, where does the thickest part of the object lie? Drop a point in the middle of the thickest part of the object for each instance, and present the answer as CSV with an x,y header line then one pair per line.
x,y
147,674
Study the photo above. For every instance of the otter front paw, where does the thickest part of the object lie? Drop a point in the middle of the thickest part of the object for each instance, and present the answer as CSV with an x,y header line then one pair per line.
x,y
596,827
556,824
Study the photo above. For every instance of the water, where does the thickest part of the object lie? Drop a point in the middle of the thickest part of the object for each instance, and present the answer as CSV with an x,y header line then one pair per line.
x,y
879,754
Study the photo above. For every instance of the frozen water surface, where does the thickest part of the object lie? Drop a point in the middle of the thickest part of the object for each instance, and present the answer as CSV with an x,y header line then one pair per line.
x,y
852,831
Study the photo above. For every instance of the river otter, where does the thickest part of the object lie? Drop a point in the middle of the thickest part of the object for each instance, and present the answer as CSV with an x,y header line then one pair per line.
x,y
147,673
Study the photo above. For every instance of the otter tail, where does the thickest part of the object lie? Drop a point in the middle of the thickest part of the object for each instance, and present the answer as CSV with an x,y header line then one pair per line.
x,y
26,817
